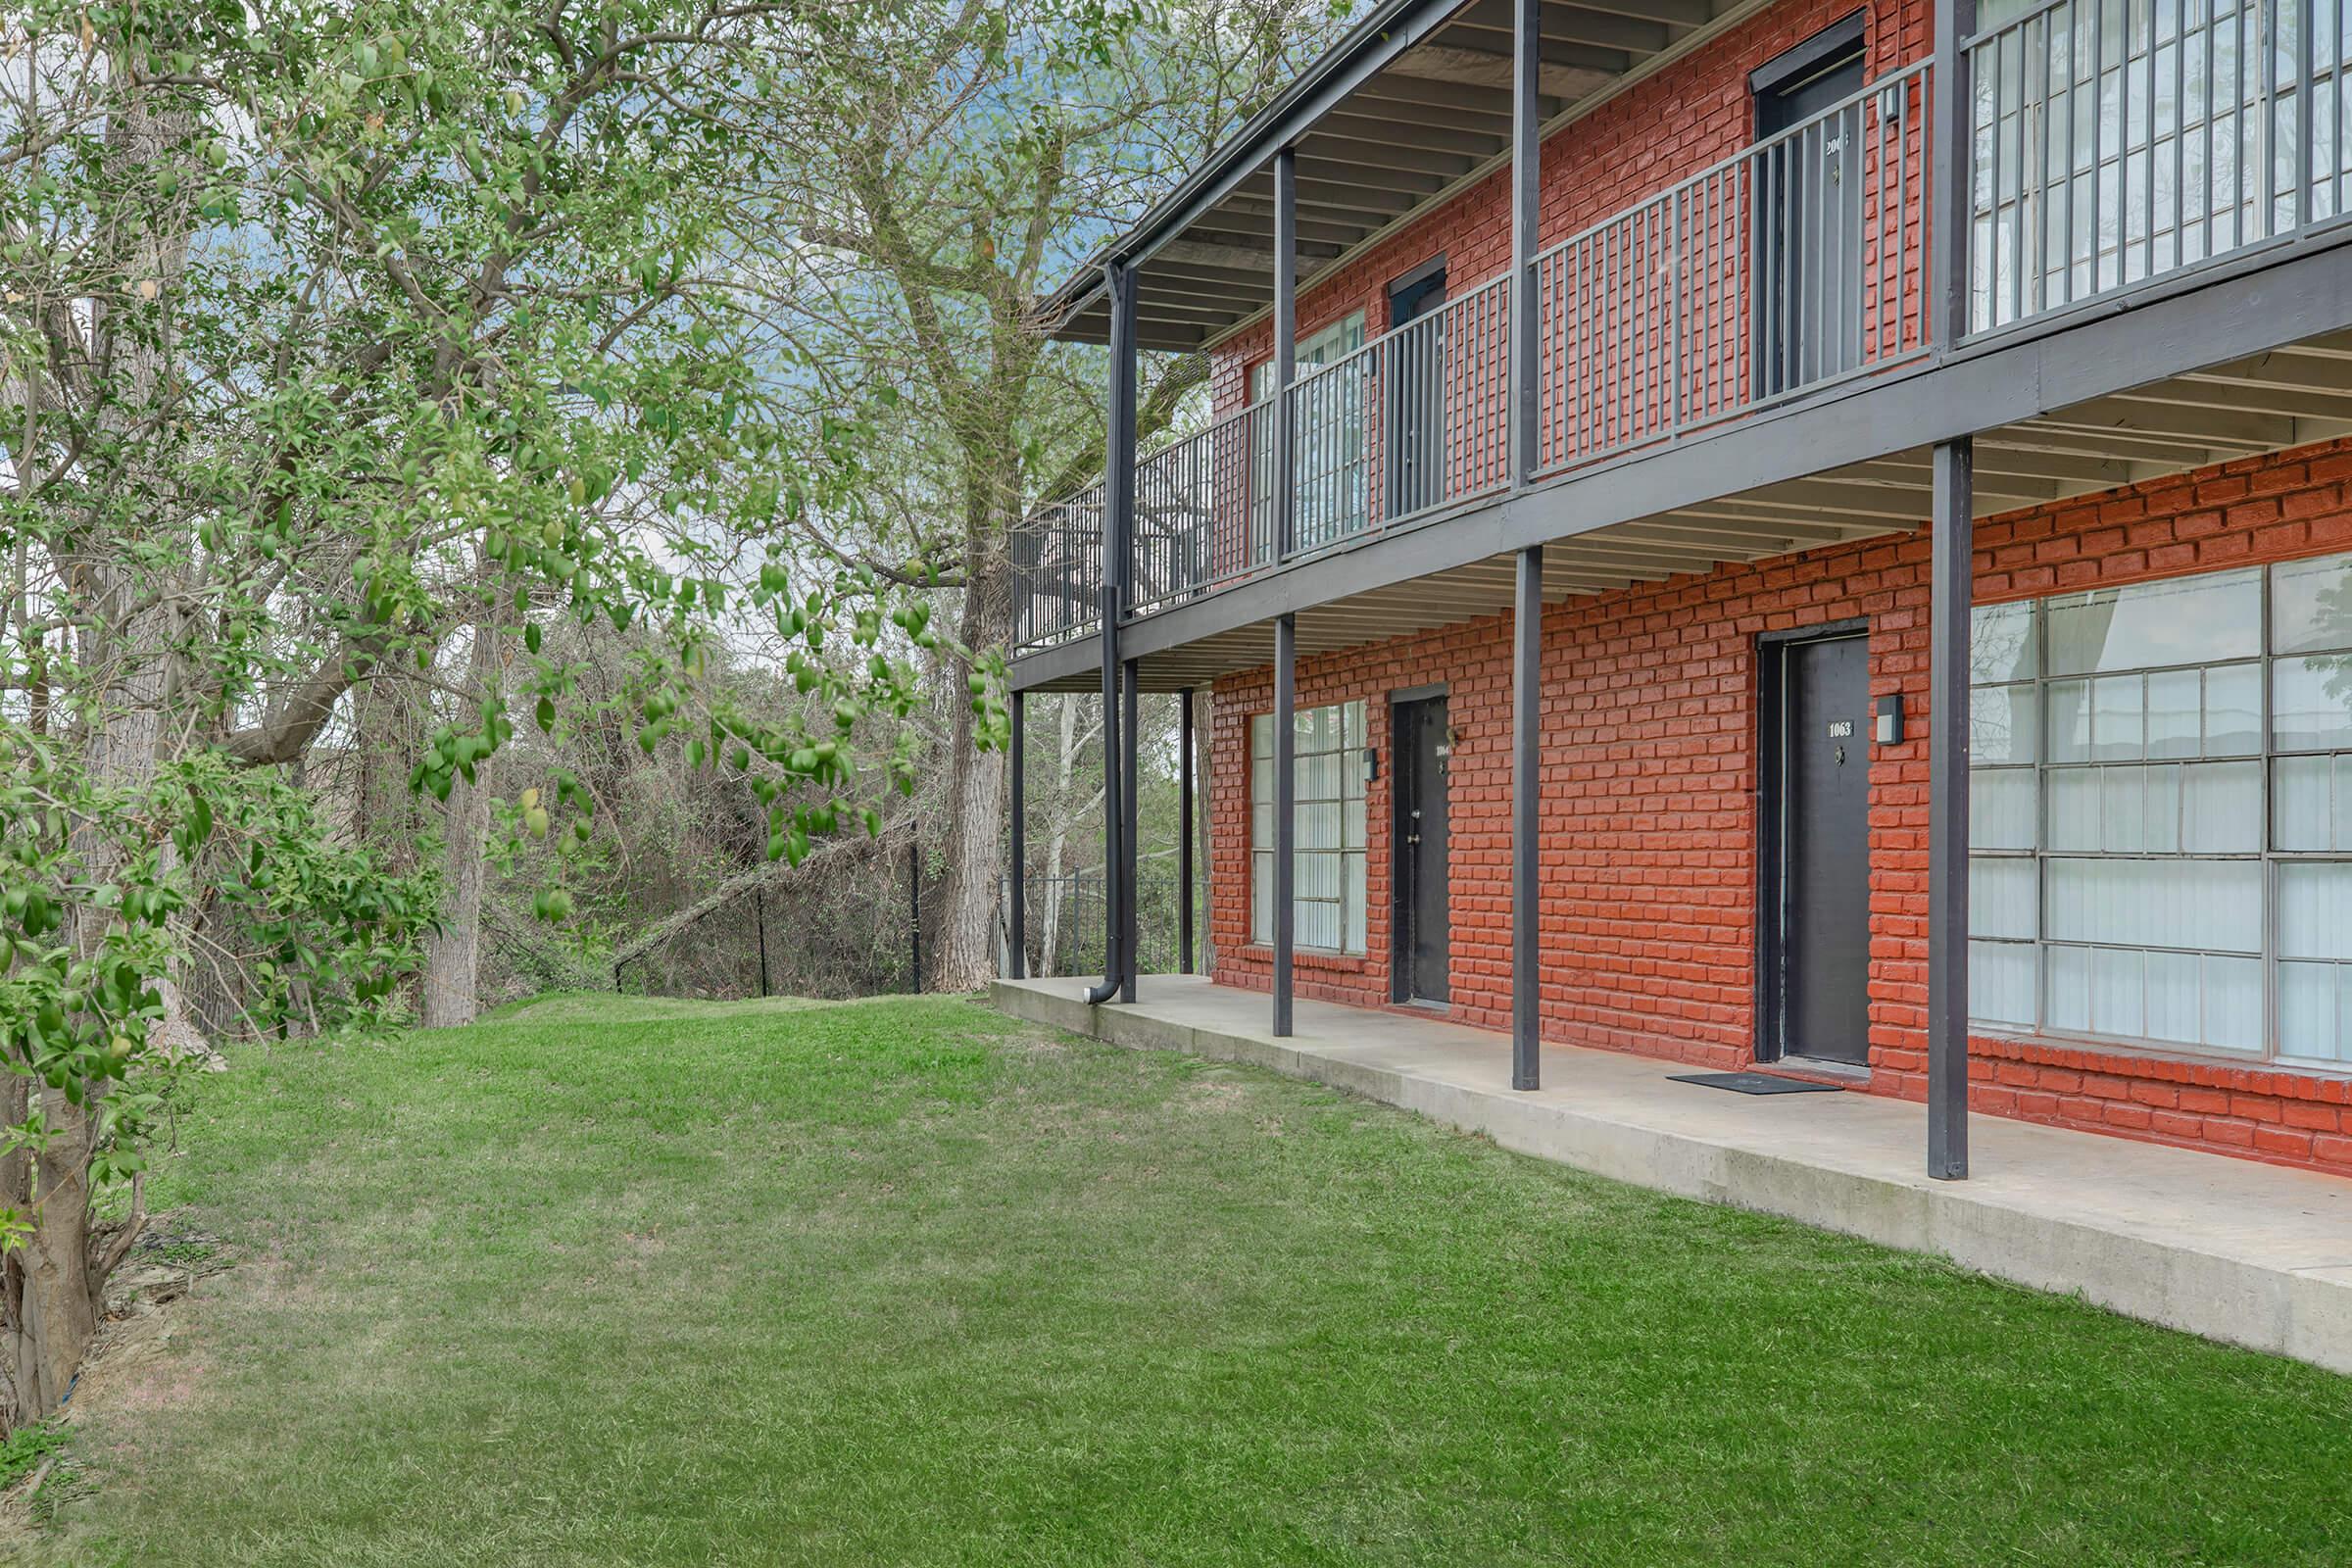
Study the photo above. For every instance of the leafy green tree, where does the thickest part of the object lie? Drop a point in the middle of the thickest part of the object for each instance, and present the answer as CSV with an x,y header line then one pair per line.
x,y
958,161
346,342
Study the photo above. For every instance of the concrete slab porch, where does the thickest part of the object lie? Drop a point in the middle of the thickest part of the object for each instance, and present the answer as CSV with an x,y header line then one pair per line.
x,y
2234,1250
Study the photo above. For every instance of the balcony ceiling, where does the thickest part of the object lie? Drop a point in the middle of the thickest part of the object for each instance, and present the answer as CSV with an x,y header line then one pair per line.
x,y
1425,120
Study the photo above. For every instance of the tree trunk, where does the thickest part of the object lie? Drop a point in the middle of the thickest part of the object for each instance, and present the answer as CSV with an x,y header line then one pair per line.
x,y
963,949
1065,753
453,954
54,1290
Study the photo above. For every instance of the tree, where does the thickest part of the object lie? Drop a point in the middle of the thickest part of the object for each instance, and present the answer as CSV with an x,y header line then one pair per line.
x,y
961,157
334,333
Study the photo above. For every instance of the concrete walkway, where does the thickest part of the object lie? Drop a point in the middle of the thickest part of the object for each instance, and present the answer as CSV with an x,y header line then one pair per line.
x,y
2229,1249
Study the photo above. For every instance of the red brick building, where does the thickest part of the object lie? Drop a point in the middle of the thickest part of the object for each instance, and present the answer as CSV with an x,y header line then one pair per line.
x,y
1791,322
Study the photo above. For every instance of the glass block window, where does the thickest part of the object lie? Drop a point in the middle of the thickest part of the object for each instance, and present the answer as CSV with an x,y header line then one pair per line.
x,y
2160,826
1328,894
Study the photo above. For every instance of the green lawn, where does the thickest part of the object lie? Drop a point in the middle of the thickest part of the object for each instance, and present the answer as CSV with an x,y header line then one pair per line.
x,y
909,1283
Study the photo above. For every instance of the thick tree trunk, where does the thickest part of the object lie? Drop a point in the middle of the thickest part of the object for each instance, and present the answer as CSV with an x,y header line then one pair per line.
x,y
449,994
963,947
58,1292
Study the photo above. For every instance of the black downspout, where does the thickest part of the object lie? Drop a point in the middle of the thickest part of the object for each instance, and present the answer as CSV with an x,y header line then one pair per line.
x,y
1016,897
1114,968
1118,508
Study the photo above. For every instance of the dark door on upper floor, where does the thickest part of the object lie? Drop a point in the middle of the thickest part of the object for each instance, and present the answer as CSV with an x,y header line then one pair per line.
x,y
1807,195
1415,374
1419,743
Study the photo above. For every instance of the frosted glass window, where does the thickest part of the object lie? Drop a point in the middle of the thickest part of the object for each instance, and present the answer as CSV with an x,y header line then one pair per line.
x,y
1328,876
2003,897
2315,909
2220,809
2187,620
2310,802
2177,713
2066,713
2117,727
2315,1012
2001,981
2311,702
2311,605
2158,780
2004,725
2157,904
2232,1003
2002,645
2001,808
2232,709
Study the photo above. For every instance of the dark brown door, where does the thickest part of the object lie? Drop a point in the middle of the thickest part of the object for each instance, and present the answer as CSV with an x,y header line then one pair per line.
x,y
1421,922
1416,380
1808,206
1822,913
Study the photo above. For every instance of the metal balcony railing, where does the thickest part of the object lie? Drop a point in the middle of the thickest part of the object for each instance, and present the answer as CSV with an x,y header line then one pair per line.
x,y
2115,142
1797,262
1058,571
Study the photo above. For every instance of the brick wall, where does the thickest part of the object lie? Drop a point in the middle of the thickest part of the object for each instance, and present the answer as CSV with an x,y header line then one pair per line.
x,y
1670,125
1648,829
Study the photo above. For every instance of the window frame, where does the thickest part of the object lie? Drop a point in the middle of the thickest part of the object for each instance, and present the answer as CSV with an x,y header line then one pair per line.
x,y
2270,1048
1349,855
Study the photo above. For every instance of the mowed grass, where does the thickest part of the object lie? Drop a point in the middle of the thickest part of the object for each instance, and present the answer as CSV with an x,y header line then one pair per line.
x,y
909,1283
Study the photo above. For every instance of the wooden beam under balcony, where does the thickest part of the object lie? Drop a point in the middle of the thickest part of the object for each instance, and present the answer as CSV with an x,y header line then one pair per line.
x,y
1402,135
1459,104
1568,25
1483,67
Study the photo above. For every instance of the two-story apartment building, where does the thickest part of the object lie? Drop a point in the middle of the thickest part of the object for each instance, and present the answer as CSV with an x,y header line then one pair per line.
x,y
1768,531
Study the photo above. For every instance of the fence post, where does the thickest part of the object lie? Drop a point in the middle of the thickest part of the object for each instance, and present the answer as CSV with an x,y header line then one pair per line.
x,y
760,919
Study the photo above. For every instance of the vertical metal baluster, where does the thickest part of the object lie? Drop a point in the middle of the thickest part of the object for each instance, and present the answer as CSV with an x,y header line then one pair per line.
x,y
2098,137
2180,129
2147,251
2123,148
2266,31
1889,309
1674,313
2017,204
2237,127
1783,327
2074,88
2305,15
1612,337
2336,108
1817,337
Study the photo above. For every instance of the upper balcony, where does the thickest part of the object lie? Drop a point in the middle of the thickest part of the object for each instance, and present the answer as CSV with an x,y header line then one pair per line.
x,y
2109,149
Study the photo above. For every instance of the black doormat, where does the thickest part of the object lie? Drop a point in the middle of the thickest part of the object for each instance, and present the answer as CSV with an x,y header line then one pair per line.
x,y
1756,1083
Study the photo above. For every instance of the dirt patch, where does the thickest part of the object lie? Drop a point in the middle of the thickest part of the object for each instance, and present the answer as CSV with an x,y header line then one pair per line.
x,y
1211,1093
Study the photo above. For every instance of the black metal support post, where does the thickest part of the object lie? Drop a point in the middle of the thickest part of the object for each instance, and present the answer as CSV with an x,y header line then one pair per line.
x,y
759,917
1016,857
1950,613
1118,521
1184,831
1953,592
1131,924
914,917
1950,136
1286,349
1527,754
1285,811
1526,222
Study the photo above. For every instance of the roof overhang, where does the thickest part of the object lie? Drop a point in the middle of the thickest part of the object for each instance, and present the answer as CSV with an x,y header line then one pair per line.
x,y
1407,111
